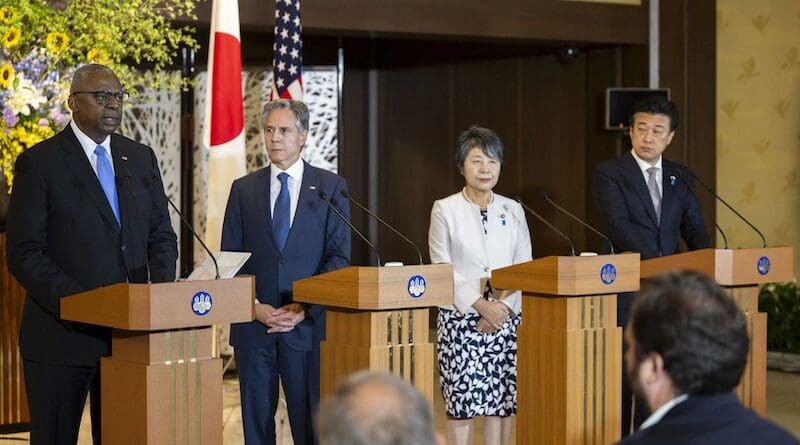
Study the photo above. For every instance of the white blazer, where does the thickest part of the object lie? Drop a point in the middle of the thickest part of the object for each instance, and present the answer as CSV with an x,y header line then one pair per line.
x,y
456,236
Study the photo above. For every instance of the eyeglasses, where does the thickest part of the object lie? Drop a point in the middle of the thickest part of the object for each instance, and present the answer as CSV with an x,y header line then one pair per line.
x,y
104,97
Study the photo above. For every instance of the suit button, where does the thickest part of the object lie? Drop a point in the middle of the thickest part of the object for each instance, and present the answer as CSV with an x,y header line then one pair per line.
x,y
123,247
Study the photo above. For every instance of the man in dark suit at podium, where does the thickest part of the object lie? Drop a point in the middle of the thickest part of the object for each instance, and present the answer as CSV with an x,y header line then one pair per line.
x,y
647,204
687,349
87,210
278,215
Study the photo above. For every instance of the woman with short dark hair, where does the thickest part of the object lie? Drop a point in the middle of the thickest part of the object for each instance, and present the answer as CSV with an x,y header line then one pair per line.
x,y
477,231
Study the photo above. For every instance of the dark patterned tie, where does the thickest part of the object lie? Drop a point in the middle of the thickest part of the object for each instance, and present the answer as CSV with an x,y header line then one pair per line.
x,y
280,216
655,193
106,177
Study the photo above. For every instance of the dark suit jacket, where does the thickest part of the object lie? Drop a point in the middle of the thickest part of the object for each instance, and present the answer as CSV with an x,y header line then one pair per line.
x,y
63,239
623,202
318,242
711,420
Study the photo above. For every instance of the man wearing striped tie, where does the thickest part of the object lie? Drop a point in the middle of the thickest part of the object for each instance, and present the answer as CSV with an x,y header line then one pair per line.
x,y
87,210
647,205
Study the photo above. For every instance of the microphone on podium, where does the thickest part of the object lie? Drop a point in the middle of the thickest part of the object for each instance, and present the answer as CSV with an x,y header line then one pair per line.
x,y
719,198
338,213
138,223
197,237
719,229
547,223
385,224
546,197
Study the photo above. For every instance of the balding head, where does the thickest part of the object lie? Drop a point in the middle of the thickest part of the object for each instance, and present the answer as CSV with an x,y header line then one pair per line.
x,y
376,409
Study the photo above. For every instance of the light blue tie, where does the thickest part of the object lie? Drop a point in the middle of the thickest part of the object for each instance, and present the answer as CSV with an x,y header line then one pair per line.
x,y
280,216
106,177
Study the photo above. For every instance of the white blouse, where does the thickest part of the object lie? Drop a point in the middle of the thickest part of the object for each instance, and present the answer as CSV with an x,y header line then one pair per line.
x,y
457,236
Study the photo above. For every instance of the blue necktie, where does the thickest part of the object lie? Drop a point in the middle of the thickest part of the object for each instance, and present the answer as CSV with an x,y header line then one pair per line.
x,y
106,177
280,216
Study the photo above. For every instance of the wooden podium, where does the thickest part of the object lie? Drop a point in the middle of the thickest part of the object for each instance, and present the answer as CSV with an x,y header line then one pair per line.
x,y
569,355
739,271
377,319
161,385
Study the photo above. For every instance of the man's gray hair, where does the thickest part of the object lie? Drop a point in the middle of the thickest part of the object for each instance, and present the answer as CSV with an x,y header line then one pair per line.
x,y
375,408
85,71
297,107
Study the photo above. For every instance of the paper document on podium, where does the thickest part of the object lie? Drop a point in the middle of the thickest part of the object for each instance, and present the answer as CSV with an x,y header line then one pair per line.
x,y
229,264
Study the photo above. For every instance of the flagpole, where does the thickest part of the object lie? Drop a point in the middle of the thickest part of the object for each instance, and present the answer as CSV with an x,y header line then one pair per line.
x,y
187,162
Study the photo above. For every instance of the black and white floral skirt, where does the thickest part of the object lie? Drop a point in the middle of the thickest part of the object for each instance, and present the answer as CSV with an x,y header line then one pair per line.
x,y
477,370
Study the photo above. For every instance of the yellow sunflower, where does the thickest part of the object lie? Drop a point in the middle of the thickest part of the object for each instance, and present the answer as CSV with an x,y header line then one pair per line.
x,y
7,15
97,55
6,75
11,37
57,42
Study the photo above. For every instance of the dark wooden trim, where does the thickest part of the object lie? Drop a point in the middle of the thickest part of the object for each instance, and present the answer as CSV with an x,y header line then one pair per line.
x,y
548,20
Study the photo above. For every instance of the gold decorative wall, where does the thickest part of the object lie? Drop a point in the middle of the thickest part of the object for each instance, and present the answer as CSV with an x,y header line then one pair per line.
x,y
758,120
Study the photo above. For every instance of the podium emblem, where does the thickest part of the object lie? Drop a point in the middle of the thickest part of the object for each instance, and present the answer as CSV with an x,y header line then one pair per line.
x,y
416,286
763,265
201,303
608,273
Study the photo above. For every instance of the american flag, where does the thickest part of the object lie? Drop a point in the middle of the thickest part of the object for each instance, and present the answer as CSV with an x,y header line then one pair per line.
x,y
287,62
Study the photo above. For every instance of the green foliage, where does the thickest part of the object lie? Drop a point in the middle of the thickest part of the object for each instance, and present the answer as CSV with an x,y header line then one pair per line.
x,y
41,46
781,302
121,34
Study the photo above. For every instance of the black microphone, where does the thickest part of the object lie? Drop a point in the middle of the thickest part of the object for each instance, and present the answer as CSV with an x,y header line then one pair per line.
x,y
719,229
196,236
139,223
546,197
763,240
338,213
380,220
552,227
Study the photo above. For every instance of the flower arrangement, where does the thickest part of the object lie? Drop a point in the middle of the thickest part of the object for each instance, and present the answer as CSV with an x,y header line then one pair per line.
x,y
41,46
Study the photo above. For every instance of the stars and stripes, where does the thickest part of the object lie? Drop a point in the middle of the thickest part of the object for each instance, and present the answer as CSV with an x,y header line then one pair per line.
x,y
287,63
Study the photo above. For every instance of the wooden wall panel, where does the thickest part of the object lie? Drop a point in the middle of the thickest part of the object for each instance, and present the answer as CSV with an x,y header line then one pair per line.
x,y
688,69
13,403
500,19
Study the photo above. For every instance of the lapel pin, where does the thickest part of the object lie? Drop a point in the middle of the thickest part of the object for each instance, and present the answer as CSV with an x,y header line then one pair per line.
x,y
312,187
124,158
673,180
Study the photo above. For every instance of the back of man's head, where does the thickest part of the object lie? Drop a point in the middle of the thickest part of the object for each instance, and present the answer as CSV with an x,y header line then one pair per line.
x,y
376,409
695,327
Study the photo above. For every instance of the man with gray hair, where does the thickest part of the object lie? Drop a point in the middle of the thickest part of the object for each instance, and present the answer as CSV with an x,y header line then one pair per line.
x,y
277,214
375,408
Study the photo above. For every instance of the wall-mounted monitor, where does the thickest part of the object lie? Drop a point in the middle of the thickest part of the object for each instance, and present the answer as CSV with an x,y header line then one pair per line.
x,y
619,102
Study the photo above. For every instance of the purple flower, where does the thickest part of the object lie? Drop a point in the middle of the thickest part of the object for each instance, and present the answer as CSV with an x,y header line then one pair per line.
x,y
10,118
43,122
59,117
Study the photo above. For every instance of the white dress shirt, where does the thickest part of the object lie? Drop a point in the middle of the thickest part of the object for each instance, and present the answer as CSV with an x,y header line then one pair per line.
x,y
457,236
89,145
644,165
662,411
295,172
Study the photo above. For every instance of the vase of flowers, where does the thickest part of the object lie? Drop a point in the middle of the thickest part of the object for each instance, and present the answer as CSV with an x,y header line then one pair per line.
x,y
41,46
